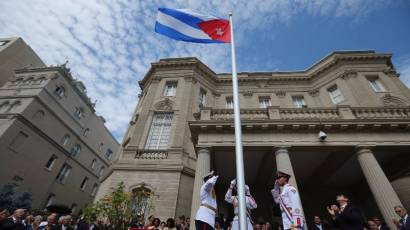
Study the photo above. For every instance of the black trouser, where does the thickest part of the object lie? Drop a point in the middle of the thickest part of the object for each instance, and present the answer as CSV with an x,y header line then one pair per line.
x,y
200,225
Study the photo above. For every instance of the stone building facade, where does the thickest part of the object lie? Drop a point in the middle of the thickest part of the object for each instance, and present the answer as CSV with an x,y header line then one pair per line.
x,y
52,143
183,127
16,54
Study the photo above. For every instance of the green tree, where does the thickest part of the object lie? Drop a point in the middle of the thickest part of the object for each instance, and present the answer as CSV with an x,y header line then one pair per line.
x,y
11,200
120,207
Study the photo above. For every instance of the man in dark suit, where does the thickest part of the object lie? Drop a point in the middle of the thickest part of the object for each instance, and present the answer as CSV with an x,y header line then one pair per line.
x,y
318,224
380,224
15,221
346,216
404,222
65,223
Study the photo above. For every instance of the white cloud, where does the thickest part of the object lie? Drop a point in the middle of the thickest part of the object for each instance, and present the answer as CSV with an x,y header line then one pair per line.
x,y
110,44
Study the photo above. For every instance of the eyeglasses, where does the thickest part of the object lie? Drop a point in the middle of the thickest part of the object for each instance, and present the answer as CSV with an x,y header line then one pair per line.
x,y
397,211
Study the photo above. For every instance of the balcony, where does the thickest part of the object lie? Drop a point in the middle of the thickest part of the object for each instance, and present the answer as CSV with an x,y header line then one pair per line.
x,y
306,114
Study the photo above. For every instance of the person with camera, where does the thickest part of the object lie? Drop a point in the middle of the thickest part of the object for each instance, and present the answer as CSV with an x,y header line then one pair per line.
x,y
346,216
288,201
205,216
232,198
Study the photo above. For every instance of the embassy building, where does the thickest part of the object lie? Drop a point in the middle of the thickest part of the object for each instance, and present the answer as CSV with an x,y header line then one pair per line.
x,y
183,127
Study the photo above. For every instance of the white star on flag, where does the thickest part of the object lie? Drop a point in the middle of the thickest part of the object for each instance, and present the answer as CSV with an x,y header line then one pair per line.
x,y
219,31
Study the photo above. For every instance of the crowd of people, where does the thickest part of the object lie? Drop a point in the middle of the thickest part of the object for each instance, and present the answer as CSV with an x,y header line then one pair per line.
x,y
343,215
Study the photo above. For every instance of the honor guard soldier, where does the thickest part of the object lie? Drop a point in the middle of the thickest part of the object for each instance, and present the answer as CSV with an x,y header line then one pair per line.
x,y
289,202
205,216
231,197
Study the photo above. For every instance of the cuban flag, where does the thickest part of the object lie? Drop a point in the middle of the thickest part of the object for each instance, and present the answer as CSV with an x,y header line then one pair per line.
x,y
189,26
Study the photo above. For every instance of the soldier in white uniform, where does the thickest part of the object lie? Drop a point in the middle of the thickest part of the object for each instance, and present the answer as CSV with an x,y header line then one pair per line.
x,y
289,202
205,216
231,198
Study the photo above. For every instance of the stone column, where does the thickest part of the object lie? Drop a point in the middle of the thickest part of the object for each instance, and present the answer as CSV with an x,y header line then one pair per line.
x,y
383,192
203,166
284,164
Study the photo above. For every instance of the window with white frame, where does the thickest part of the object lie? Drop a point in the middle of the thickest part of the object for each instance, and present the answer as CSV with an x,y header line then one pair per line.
x,y
229,103
93,163
170,89
50,200
108,154
64,172
376,84
299,101
86,131
75,150
59,91
65,139
264,102
79,113
202,97
100,147
50,162
94,190
84,183
101,172
158,136
335,94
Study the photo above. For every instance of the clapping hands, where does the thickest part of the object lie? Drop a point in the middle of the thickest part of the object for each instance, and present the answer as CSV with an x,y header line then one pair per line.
x,y
333,210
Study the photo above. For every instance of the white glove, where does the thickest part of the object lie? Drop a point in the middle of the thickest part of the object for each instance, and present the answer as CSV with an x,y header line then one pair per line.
x,y
233,183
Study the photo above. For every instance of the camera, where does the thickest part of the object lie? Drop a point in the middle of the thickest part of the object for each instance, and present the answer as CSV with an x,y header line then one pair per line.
x,y
322,136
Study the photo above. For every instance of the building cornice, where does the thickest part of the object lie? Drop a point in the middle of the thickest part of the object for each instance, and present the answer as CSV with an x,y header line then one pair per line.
x,y
311,73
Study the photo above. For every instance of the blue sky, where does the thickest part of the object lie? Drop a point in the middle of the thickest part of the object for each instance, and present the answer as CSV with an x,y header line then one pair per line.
x,y
111,43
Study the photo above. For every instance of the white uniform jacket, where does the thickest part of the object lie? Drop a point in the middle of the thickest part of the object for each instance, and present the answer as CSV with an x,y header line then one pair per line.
x,y
250,204
206,214
290,206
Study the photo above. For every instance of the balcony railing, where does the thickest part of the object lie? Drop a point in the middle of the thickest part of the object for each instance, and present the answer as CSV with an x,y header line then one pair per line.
x,y
276,113
151,154
381,113
247,114
309,114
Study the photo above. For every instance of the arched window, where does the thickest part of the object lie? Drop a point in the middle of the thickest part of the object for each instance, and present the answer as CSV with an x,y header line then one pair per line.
x,y
59,91
79,112
86,131
101,172
92,166
65,139
38,115
141,200
75,150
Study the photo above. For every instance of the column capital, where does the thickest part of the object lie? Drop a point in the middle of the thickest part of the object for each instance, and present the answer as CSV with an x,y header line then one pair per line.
x,y
281,147
364,148
203,150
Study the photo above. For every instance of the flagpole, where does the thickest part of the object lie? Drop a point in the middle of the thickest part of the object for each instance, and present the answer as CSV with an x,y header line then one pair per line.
x,y
240,177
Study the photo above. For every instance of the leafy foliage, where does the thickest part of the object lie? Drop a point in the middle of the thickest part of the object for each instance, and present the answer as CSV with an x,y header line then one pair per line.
x,y
120,208
11,200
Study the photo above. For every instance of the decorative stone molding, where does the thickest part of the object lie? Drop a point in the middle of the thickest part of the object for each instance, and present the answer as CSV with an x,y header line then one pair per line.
x,y
348,74
280,93
190,79
156,78
247,93
392,101
165,104
391,72
314,92
262,83
148,154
